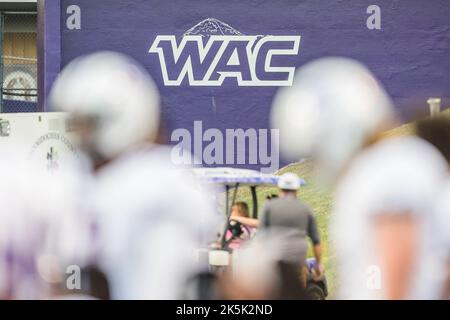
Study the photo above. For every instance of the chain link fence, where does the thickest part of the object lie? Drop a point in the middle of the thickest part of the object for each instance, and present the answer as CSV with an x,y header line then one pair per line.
x,y
18,63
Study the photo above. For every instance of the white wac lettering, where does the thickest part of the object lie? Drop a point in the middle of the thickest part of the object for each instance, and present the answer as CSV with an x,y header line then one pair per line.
x,y
208,61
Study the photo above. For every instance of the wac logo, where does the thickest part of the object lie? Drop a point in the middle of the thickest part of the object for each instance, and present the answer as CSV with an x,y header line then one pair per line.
x,y
213,51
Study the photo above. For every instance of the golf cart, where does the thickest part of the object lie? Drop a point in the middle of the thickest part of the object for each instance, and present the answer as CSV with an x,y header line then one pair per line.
x,y
231,180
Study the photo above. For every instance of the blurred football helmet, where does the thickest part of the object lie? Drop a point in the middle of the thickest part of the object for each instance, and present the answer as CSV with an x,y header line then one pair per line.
x,y
333,107
114,99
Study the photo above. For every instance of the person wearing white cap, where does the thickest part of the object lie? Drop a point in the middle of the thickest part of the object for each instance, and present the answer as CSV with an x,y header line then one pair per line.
x,y
149,217
294,220
290,216
384,189
289,182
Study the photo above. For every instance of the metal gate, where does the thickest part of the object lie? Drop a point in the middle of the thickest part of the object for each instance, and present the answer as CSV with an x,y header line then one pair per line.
x,y
18,63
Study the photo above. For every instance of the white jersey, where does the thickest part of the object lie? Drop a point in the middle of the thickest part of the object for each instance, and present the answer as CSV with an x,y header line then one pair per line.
x,y
436,265
36,224
152,217
442,220
397,175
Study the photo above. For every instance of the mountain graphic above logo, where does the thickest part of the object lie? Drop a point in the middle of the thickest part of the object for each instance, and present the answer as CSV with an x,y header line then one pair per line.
x,y
210,27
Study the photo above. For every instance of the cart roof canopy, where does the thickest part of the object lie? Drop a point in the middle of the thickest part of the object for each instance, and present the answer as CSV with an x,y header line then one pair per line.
x,y
231,177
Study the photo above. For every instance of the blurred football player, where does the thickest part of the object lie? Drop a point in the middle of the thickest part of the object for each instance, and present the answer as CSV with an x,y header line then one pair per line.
x,y
38,230
433,278
384,188
148,217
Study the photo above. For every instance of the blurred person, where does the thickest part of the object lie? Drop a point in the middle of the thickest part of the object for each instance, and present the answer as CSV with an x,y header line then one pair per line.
x,y
148,216
261,270
382,205
441,227
38,230
433,278
22,236
240,209
239,212
384,189
286,212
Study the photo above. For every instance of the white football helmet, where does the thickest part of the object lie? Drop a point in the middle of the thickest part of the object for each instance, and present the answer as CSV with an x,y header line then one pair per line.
x,y
333,107
115,94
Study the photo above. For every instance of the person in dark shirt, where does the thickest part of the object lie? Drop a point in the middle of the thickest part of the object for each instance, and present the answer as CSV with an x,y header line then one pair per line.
x,y
289,215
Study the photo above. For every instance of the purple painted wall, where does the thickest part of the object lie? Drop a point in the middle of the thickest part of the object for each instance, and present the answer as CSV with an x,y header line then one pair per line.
x,y
49,47
410,54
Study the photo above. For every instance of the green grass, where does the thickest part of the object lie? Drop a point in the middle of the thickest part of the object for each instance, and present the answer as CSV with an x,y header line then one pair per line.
x,y
318,199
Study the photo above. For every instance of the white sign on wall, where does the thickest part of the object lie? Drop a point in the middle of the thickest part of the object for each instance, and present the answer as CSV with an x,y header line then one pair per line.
x,y
38,137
